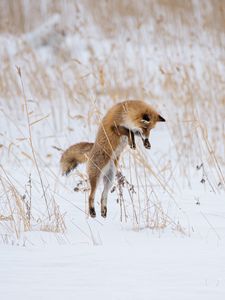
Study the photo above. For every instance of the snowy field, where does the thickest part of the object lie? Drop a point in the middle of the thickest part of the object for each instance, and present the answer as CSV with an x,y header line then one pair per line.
x,y
63,65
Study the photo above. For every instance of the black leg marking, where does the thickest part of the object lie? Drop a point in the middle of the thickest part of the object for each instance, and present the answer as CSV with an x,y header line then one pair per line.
x,y
104,212
92,212
132,140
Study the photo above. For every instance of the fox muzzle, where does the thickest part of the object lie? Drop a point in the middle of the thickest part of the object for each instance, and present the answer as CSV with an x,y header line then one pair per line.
x,y
146,143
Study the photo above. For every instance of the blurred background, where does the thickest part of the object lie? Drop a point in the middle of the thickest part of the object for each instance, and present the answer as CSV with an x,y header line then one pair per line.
x,y
116,48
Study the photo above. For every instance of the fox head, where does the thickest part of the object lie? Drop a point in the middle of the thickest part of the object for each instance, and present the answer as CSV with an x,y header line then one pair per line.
x,y
141,118
147,121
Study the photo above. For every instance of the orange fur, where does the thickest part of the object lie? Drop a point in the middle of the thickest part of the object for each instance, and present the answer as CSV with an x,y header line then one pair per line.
x,y
116,130
74,155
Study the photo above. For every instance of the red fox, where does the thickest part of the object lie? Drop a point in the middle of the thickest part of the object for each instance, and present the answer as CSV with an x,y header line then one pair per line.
x,y
117,129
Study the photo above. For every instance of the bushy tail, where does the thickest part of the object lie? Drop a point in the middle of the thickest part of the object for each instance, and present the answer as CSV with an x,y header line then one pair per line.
x,y
74,155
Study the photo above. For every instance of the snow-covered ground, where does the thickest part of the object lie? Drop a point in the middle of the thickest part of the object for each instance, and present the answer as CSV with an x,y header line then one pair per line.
x,y
142,266
164,237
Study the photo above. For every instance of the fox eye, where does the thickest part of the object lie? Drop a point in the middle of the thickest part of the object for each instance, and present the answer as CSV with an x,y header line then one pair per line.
x,y
145,118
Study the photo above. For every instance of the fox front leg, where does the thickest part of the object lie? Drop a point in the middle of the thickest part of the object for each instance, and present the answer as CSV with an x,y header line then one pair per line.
x,y
131,140
121,130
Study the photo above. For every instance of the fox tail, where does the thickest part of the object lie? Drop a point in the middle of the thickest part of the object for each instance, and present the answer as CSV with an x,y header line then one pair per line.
x,y
75,155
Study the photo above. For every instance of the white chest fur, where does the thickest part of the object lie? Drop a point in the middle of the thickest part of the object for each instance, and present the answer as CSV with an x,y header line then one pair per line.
x,y
121,146
109,169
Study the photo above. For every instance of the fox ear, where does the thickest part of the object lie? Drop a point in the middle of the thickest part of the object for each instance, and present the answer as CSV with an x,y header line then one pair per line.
x,y
161,119
145,119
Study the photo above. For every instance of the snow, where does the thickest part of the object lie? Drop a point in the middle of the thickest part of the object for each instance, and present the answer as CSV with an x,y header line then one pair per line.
x,y
113,261
164,238
138,268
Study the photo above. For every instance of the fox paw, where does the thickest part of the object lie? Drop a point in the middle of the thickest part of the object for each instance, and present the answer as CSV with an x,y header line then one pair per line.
x,y
104,212
133,146
92,212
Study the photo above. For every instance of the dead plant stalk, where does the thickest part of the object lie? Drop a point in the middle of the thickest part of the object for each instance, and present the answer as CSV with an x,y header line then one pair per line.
x,y
30,139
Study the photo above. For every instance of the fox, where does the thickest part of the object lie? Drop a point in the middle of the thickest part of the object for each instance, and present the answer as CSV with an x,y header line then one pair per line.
x,y
122,123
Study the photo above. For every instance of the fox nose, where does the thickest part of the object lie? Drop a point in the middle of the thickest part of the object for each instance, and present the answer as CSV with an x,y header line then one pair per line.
x,y
147,143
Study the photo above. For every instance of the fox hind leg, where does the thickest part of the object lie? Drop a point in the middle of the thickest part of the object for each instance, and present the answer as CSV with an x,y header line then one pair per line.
x,y
108,182
93,184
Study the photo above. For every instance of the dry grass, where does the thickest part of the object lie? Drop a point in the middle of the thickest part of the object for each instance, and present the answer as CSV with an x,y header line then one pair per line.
x,y
18,215
154,54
